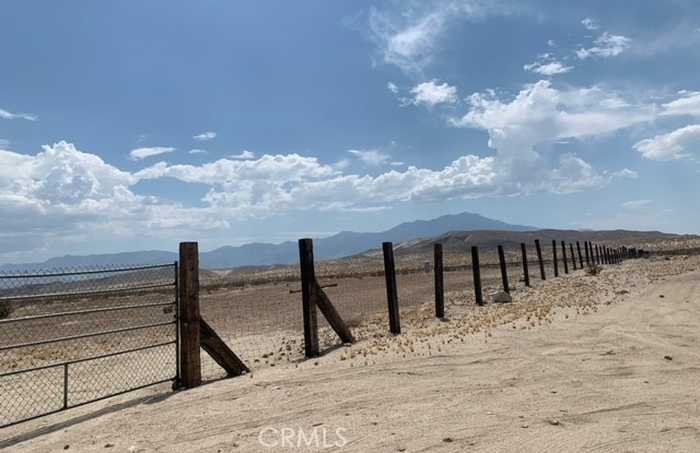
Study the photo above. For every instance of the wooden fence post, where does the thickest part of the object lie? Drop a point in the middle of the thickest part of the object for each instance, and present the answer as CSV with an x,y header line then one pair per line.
x,y
588,258
573,255
563,257
539,258
188,292
580,257
504,270
554,257
594,256
308,282
597,255
479,297
526,272
439,282
392,296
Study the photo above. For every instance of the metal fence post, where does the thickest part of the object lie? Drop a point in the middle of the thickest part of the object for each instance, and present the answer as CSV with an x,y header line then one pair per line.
x,y
554,258
573,255
391,291
191,367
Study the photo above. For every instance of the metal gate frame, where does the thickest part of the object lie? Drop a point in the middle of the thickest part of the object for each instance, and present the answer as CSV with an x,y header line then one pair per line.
x,y
175,303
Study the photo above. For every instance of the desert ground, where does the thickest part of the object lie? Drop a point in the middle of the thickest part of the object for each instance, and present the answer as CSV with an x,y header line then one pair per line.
x,y
580,363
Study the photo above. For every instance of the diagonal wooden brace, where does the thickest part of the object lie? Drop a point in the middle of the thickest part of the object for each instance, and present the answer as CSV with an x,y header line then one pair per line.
x,y
219,351
328,310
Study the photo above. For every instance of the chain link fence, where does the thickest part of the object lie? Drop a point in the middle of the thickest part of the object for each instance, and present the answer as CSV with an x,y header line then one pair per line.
x,y
72,336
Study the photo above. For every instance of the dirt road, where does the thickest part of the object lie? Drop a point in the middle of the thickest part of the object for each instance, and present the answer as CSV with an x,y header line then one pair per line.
x,y
624,377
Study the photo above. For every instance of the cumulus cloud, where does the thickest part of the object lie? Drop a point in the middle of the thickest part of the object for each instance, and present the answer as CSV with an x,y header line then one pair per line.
x,y
433,93
5,115
606,45
370,156
679,144
392,87
590,24
197,151
143,153
64,191
205,136
541,114
244,155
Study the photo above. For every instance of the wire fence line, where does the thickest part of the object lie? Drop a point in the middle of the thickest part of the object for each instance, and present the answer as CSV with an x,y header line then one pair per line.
x,y
73,336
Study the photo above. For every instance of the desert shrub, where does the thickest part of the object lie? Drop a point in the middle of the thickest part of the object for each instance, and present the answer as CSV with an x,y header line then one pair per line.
x,y
4,309
593,270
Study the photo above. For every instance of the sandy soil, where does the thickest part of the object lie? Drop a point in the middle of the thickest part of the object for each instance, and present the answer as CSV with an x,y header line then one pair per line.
x,y
580,363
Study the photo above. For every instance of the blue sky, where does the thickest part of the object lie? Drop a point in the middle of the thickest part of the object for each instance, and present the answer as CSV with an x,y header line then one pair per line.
x,y
136,125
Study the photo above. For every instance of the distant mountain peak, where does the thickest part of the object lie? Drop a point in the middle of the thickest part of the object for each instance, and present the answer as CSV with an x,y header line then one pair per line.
x,y
344,243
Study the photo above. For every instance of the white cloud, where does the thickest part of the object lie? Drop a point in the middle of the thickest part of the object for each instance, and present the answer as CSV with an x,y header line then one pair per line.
x,y
4,114
541,114
679,144
606,45
392,87
687,104
205,136
197,151
244,155
63,192
547,68
590,24
636,204
551,43
143,153
409,38
370,156
432,93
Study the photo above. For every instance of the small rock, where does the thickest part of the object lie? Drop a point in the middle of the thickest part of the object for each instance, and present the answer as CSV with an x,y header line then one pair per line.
x,y
661,296
66,447
502,297
553,421
108,445
525,426
668,357
448,439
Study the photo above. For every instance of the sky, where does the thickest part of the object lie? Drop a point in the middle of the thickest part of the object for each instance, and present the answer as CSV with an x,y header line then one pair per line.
x,y
130,125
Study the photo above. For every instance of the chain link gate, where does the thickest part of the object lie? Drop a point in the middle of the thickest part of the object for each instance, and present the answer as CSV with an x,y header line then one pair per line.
x,y
71,337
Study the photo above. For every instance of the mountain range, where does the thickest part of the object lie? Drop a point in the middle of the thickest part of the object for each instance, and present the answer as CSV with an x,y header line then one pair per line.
x,y
342,244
